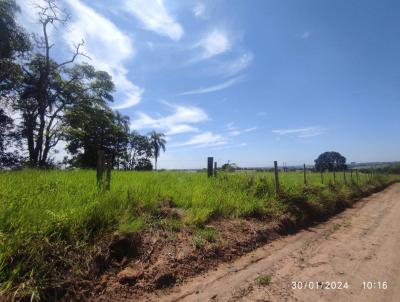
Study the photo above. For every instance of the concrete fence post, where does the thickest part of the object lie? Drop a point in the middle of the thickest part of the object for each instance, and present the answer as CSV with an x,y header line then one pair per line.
x,y
100,167
277,187
108,175
334,175
210,166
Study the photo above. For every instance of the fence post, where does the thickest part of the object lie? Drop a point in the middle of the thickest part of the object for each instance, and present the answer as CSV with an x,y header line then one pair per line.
x,y
108,175
344,176
277,188
322,177
100,167
351,176
305,175
210,166
215,169
357,175
334,175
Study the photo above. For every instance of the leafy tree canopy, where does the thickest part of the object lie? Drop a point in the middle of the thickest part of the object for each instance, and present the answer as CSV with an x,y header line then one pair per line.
x,y
330,161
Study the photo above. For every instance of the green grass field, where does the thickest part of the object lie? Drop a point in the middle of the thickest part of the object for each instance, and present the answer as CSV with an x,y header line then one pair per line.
x,y
48,217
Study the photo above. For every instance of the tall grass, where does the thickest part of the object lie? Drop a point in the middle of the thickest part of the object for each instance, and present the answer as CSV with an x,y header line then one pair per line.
x,y
47,218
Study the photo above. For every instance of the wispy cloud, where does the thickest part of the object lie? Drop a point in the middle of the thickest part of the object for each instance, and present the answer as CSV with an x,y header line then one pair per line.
x,y
155,17
235,131
205,139
241,145
213,88
199,9
214,43
239,64
181,120
301,132
305,35
108,47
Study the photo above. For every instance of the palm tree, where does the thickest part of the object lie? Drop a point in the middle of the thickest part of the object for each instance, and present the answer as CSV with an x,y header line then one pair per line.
x,y
158,143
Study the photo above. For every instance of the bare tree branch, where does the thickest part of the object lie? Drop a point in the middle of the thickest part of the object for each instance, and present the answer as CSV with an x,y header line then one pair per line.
x,y
75,55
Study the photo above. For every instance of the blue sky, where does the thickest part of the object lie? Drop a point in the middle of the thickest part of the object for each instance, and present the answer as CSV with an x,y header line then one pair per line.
x,y
247,81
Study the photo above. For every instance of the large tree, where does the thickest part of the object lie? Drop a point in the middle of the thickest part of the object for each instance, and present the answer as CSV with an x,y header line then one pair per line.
x,y
90,128
138,152
158,142
7,158
14,43
330,161
46,91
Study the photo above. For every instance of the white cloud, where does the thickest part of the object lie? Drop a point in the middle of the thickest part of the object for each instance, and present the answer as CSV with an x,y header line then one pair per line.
x,y
236,66
241,145
305,35
214,88
155,17
205,139
29,15
199,9
107,46
301,132
231,126
234,131
180,121
214,43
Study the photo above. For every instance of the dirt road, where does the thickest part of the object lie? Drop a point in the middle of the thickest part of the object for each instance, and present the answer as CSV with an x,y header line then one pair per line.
x,y
359,245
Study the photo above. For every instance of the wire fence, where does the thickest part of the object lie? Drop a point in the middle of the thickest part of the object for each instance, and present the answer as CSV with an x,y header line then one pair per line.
x,y
280,174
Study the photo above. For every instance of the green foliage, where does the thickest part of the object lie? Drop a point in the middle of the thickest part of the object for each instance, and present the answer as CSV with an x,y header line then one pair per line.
x,y
204,236
7,159
229,167
90,129
13,38
133,226
158,142
330,161
138,151
208,233
14,43
264,280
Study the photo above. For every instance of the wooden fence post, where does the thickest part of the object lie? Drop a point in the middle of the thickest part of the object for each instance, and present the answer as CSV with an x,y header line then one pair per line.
x,y
215,169
100,167
277,188
305,175
210,166
357,175
351,176
344,176
322,177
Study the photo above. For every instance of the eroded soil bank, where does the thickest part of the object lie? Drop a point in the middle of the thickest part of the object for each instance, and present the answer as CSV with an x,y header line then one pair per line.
x,y
160,264
359,245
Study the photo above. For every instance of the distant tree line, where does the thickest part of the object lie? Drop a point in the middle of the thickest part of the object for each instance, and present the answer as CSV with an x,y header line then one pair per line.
x,y
44,102
393,168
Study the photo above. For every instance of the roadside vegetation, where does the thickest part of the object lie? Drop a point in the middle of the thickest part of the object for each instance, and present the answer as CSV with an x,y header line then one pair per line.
x,y
52,221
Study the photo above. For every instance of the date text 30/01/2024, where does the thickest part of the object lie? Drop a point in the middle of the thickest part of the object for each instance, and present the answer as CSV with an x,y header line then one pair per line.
x,y
316,285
